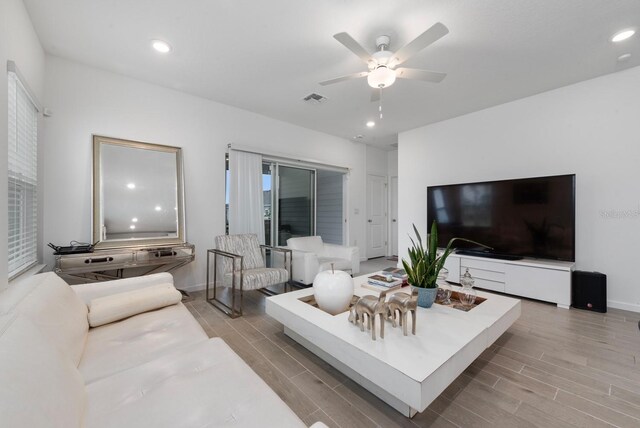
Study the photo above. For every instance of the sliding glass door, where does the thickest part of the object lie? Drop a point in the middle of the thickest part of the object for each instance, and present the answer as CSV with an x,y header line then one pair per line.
x,y
289,202
330,215
268,174
296,198
300,201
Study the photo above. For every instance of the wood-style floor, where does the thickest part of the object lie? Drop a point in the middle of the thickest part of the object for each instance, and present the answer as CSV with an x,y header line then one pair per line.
x,y
552,368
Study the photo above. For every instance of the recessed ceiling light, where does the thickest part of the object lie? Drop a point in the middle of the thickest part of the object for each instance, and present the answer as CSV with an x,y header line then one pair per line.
x,y
135,219
133,226
131,185
624,57
158,207
623,35
161,46
371,124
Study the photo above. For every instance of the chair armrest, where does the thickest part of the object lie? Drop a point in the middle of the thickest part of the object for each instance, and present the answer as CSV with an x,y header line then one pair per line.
x,y
305,266
234,257
340,251
286,257
284,250
344,252
90,291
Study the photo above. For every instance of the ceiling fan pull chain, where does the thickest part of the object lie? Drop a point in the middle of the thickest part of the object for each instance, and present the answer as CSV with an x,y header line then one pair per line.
x,y
380,104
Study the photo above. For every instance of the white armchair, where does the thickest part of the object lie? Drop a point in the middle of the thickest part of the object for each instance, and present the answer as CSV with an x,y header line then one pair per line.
x,y
311,255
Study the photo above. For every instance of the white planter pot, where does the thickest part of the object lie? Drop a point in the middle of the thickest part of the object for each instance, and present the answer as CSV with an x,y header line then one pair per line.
x,y
333,291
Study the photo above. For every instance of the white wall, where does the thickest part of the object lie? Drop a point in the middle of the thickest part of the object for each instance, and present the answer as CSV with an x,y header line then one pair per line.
x,y
376,161
87,101
590,129
392,163
18,43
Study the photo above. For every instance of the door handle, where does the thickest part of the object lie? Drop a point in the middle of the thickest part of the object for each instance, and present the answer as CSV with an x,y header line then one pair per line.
x,y
370,221
394,220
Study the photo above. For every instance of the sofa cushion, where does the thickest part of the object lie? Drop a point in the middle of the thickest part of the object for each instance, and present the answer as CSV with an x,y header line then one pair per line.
x,y
39,386
115,307
50,304
312,244
115,347
205,384
92,290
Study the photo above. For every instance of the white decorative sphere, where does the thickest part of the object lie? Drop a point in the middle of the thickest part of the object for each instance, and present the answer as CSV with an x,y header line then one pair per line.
x,y
333,291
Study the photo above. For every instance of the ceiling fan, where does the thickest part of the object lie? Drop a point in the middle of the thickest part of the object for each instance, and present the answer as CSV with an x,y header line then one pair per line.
x,y
383,64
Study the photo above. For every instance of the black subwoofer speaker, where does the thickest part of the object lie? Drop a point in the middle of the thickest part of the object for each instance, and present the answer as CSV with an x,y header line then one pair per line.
x,y
589,291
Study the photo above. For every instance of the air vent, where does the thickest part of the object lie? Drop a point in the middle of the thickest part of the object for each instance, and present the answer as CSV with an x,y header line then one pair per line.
x,y
314,98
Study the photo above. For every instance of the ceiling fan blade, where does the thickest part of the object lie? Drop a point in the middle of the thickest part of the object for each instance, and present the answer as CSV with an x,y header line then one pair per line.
x,y
414,73
375,95
437,31
343,78
355,47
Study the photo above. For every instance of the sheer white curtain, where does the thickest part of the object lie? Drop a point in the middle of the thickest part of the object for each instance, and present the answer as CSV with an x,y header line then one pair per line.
x,y
246,205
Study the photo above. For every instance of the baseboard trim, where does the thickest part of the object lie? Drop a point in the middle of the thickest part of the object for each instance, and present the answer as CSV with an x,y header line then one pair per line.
x,y
623,305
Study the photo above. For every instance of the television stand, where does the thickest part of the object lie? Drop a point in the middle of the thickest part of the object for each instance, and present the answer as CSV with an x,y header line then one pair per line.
x,y
486,255
546,280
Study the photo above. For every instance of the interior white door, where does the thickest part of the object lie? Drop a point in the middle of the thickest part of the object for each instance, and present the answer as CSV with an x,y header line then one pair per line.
x,y
393,195
376,216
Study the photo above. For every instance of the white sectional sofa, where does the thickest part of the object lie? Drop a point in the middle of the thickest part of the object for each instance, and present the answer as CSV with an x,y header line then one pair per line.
x,y
155,369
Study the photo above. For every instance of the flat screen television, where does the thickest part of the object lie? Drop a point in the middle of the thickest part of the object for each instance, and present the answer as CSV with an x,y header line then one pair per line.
x,y
530,217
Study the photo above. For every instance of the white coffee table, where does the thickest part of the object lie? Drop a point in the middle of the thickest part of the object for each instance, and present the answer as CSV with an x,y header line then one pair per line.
x,y
407,372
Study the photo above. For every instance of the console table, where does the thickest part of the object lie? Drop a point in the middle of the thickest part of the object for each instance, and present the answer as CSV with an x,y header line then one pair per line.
x,y
546,280
108,264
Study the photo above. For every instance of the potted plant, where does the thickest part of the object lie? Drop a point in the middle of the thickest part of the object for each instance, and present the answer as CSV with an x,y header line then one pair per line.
x,y
424,265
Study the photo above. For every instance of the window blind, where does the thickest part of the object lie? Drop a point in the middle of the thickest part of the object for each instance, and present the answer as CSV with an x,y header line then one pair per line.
x,y
23,177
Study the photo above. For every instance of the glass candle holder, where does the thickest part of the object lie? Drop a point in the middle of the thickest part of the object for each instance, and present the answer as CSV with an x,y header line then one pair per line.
x,y
467,296
444,293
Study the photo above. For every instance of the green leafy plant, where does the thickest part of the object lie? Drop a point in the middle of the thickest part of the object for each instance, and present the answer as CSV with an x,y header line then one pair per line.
x,y
424,265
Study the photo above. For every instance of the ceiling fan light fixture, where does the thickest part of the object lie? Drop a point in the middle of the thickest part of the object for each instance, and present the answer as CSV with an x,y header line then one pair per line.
x,y
381,77
622,35
161,46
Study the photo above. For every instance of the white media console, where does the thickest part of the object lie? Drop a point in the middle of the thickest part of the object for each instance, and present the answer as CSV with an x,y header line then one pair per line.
x,y
545,280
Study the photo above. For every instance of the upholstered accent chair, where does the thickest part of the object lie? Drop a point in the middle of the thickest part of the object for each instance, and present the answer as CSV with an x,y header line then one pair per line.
x,y
311,255
239,262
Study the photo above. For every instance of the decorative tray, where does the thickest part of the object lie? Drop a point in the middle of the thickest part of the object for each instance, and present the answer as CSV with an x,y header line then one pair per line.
x,y
455,302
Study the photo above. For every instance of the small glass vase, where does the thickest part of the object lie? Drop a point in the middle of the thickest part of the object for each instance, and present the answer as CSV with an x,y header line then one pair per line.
x,y
467,296
444,293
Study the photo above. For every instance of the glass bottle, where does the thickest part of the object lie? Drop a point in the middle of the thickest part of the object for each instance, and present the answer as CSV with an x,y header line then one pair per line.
x,y
467,280
467,295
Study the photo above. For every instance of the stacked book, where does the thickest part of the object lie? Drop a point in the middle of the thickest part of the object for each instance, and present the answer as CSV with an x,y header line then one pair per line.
x,y
387,279
396,273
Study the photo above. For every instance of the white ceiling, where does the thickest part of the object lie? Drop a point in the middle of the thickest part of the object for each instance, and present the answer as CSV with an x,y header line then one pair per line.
x,y
264,56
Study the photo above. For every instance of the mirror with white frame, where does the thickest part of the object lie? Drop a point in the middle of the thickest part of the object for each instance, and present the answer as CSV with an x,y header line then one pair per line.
x,y
138,197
